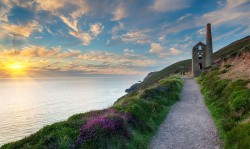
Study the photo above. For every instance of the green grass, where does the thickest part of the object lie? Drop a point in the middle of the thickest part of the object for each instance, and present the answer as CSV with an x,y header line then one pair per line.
x,y
129,123
229,104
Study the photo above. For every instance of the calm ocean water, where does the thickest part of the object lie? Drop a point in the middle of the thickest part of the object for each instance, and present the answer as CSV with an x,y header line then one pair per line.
x,y
26,105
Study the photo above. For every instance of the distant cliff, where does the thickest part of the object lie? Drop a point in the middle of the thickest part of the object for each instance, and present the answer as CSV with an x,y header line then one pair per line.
x,y
136,85
182,67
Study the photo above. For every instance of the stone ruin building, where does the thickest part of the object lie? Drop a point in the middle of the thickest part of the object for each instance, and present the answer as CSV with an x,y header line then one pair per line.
x,y
202,54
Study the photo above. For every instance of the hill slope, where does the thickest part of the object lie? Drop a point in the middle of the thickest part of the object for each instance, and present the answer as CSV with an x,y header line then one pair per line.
x,y
229,51
226,87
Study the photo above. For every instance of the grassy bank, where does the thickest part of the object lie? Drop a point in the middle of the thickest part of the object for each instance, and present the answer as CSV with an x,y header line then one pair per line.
x,y
229,104
129,123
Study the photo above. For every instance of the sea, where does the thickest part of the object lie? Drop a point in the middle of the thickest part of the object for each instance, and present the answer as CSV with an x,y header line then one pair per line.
x,y
27,105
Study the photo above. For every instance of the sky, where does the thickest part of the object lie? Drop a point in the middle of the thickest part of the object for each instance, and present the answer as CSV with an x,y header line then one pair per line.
x,y
43,38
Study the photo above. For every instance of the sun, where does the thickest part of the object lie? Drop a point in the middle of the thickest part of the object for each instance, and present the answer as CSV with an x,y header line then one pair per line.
x,y
16,66
16,69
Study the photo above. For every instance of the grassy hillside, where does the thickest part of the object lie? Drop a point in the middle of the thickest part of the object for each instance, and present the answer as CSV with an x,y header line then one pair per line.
x,y
228,98
229,103
129,123
176,68
233,49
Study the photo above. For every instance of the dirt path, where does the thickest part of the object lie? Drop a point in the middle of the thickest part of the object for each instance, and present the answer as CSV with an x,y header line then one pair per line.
x,y
188,124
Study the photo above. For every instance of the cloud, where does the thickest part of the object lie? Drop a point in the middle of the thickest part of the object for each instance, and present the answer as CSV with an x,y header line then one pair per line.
x,y
83,36
81,8
7,5
76,8
39,52
22,30
50,5
169,5
201,31
96,28
128,52
174,51
70,23
30,52
162,38
117,28
234,12
156,48
119,13
112,59
139,37
50,62
230,14
186,16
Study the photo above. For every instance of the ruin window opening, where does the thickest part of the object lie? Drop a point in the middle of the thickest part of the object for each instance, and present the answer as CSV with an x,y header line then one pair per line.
x,y
199,47
200,57
200,65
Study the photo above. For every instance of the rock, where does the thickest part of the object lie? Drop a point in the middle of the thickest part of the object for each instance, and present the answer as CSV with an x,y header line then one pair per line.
x,y
132,88
136,85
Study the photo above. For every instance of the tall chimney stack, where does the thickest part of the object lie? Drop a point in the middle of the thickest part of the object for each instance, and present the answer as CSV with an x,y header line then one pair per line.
x,y
209,47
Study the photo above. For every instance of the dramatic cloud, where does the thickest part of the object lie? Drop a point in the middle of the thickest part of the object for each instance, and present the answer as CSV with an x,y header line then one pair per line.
x,y
41,59
138,36
23,30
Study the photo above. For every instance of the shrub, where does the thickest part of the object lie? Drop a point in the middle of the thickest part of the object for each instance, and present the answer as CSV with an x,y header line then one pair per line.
x,y
240,100
239,137
105,124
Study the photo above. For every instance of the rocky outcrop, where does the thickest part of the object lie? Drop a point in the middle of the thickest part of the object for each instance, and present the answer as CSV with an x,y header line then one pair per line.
x,y
136,85
132,88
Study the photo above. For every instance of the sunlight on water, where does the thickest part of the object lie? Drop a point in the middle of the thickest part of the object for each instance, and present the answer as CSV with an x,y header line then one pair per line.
x,y
27,105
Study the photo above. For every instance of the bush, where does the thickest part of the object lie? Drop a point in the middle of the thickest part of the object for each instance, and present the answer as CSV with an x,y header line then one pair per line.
x,y
104,125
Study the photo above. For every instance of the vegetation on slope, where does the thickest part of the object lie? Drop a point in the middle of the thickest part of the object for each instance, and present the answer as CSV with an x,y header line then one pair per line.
x,y
229,104
129,123
176,68
233,49
184,66
229,99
